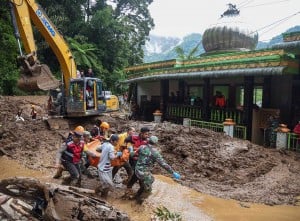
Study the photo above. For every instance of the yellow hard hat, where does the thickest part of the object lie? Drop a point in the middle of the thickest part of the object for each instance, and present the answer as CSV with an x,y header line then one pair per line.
x,y
104,125
79,130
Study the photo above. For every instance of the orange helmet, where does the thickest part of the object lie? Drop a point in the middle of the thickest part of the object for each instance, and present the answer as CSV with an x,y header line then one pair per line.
x,y
79,130
104,125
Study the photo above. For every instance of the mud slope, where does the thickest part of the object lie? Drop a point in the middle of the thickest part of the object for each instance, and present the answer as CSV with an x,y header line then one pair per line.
x,y
209,162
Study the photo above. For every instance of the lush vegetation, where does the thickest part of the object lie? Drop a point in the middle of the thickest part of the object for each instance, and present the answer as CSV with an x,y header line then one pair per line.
x,y
106,36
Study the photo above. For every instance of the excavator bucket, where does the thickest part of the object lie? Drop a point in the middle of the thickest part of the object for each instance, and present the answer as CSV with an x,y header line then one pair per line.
x,y
37,78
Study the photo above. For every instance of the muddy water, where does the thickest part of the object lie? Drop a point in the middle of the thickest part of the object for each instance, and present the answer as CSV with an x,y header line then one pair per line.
x,y
193,206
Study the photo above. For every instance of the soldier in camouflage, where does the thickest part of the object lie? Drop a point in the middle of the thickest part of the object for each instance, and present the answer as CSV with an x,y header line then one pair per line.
x,y
148,155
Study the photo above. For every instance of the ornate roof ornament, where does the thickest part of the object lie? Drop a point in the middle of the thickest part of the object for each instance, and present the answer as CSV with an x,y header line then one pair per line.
x,y
229,34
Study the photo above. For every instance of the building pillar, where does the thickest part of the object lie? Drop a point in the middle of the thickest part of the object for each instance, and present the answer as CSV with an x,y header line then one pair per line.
x,y
164,95
248,104
181,87
231,96
266,99
206,100
132,92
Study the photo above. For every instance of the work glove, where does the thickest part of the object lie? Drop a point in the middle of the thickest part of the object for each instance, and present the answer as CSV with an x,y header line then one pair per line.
x,y
119,153
176,175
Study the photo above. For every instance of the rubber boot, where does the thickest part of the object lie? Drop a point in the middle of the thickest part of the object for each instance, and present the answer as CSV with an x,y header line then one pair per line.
x,y
104,193
75,182
140,197
98,189
58,173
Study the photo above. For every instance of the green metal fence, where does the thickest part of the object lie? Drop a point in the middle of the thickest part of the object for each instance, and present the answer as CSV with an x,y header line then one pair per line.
x,y
293,142
219,115
217,127
239,131
183,111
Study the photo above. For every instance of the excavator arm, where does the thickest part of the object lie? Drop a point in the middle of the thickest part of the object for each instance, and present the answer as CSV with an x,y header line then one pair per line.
x,y
36,76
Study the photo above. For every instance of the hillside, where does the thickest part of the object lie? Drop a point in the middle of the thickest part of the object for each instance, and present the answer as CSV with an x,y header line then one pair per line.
x,y
163,48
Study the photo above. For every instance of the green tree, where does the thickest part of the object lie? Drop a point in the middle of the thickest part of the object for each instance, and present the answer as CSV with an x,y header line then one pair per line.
x,y
84,53
8,54
181,54
112,36
119,33
138,22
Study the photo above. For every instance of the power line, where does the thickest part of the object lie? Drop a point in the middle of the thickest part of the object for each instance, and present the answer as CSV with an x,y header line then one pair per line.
x,y
244,3
280,21
276,23
267,3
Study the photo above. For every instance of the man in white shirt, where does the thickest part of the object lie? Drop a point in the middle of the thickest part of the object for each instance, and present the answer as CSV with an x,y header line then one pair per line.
x,y
104,166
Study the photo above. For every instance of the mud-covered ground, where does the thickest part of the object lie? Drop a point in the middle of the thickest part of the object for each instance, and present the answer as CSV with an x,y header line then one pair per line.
x,y
209,162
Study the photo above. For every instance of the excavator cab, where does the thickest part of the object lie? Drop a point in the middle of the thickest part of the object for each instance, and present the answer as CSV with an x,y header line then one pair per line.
x,y
78,97
85,97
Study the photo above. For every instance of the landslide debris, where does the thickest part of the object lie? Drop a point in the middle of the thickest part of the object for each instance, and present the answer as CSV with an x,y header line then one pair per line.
x,y
209,162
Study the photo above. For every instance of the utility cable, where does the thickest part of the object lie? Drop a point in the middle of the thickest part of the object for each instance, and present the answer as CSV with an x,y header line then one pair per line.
x,y
244,3
276,23
267,3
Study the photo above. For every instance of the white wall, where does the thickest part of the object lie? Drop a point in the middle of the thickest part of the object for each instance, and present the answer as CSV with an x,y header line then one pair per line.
x,y
148,88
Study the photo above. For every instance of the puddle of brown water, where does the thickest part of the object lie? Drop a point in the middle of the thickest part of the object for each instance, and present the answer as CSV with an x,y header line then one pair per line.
x,y
192,205
228,210
10,168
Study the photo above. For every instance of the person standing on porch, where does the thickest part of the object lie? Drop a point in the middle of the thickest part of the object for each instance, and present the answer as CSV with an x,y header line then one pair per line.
x,y
219,100
296,130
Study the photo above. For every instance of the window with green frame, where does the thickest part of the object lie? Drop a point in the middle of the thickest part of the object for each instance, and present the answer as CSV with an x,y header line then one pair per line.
x,y
257,96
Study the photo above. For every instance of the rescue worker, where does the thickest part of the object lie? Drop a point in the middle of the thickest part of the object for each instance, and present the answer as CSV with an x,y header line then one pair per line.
x,y
104,127
95,131
104,166
85,163
147,156
271,131
33,112
18,116
59,166
101,132
124,160
70,154
136,141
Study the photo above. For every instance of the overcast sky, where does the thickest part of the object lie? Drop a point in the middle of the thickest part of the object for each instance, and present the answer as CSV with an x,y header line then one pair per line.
x,y
178,18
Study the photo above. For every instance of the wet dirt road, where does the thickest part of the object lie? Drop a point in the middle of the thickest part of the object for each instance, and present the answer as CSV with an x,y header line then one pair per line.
x,y
192,205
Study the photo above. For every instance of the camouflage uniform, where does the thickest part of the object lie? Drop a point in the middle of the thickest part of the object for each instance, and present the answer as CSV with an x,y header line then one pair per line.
x,y
148,155
271,131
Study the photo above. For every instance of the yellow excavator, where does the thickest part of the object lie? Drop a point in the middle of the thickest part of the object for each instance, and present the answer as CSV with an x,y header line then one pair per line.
x,y
75,97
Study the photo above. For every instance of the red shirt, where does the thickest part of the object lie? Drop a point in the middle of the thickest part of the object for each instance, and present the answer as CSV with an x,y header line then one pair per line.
x,y
297,129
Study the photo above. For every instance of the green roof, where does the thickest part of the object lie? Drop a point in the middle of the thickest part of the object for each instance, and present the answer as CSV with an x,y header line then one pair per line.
x,y
272,61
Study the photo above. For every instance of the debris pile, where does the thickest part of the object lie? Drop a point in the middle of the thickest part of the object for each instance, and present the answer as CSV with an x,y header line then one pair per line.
x,y
209,162
29,199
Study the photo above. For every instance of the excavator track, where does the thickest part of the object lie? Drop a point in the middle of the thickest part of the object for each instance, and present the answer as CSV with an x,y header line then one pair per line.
x,y
40,79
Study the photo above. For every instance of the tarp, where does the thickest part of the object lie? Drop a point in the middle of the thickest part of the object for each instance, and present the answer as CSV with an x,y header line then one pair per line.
x,y
92,146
